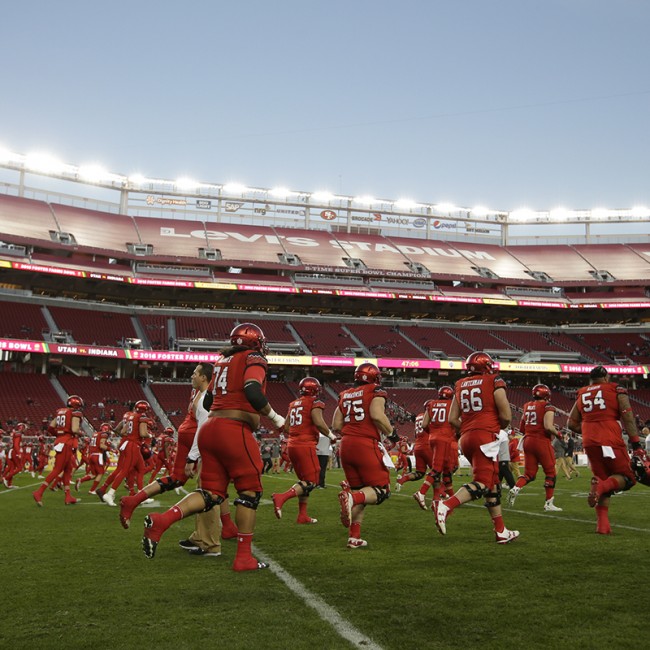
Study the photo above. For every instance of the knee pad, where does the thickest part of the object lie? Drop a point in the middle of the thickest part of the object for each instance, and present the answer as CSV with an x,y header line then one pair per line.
x,y
209,500
417,475
549,481
382,492
446,479
529,479
629,483
476,490
307,487
167,483
493,497
248,501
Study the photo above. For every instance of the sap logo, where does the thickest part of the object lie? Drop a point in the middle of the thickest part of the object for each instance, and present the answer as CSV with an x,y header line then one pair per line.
x,y
232,207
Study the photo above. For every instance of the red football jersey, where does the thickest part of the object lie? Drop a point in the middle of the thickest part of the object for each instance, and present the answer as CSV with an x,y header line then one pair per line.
x,y
131,430
98,438
354,404
302,430
439,427
532,419
421,434
63,424
229,375
598,405
190,424
475,396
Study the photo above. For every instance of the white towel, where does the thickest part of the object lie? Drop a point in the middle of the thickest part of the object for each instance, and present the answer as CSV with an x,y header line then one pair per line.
x,y
608,452
388,461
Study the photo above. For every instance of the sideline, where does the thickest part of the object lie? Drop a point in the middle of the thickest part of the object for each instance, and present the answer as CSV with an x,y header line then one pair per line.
x,y
342,627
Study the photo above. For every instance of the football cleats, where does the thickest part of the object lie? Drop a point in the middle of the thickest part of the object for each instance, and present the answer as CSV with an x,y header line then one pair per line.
x,y
75,402
309,386
541,391
446,392
479,363
641,467
250,336
141,406
367,373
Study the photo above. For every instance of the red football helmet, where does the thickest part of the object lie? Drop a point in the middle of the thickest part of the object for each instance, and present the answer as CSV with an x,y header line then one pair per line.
x,y
75,402
169,431
309,386
479,363
249,336
541,391
20,427
367,373
641,467
445,392
141,406
105,427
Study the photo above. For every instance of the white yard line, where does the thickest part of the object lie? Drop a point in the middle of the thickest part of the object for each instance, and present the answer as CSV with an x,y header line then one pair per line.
x,y
342,627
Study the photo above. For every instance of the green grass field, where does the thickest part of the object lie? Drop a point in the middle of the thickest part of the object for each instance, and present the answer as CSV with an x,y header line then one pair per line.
x,y
73,578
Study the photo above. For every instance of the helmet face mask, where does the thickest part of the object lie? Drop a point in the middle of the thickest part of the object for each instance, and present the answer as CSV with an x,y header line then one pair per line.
x,y
641,468
249,335
541,391
309,386
141,406
367,373
479,363
75,402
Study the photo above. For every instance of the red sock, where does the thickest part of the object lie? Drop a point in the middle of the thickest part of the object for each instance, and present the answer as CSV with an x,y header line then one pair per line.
x,y
302,509
449,489
549,493
610,485
140,497
93,487
173,515
358,497
452,502
289,494
244,541
499,526
424,488
602,515
437,493
521,481
355,530
403,479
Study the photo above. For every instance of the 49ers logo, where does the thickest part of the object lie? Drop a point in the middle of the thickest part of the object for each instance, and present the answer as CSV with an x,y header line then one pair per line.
x,y
328,215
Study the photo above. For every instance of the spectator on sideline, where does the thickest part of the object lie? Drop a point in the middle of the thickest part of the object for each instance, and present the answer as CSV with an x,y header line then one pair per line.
x,y
540,440
515,455
324,454
596,414
569,438
227,445
479,411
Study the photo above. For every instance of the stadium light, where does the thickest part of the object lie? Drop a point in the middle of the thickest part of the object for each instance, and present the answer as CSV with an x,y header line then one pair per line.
x,y
445,207
280,192
364,200
234,188
522,215
7,156
405,204
92,173
561,214
323,197
44,163
137,180
640,212
600,214
480,211
185,184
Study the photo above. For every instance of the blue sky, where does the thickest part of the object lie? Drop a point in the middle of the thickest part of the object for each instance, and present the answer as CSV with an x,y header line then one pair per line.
x,y
503,104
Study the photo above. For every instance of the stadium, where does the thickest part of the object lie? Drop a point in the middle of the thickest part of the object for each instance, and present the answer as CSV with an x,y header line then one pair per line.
x,y
114,288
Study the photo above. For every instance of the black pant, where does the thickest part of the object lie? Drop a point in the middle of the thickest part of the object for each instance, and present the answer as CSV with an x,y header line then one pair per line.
x,y
323,460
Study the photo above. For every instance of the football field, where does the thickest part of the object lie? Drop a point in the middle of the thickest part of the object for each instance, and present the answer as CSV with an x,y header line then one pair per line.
x,y
73,578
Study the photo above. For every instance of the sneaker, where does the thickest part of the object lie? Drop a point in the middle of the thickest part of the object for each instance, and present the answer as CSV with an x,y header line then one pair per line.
x,y
306,520
108,498
70,501
506,536
202,553
419,497
277,507
355,542
441,517
187,544
38,497
249,564
92,492
6,483
592,498
549,506
77,485
151,537
100,494
126,511
345,501
512,495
